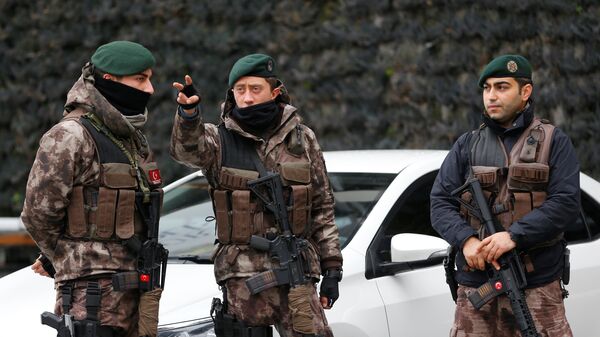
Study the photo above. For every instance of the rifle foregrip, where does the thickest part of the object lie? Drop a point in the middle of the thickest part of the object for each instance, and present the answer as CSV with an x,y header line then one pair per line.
x,y
260,243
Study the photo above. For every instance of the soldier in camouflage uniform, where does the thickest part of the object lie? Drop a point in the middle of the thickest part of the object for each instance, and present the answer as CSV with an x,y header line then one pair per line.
x,y
79,205
529,172
256,111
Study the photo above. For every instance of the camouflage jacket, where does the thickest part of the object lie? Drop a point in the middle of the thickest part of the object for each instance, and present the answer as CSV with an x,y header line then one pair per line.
x,y
66,158
197,144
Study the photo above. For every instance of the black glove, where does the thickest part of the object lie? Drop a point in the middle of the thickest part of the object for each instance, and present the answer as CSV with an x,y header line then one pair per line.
x,y
330,286
189,91
47,265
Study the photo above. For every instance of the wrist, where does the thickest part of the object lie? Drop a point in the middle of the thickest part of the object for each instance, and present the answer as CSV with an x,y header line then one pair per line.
x,y
334,274
188,114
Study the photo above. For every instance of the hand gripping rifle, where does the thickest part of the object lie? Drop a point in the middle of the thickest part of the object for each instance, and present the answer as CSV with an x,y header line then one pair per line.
x,y
286,248
510,279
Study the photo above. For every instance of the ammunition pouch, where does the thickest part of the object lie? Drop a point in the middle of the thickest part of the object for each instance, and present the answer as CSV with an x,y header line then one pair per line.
x,y
229,326
239,215
108,212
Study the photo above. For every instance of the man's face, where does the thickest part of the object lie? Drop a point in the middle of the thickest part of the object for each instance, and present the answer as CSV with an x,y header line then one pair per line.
x,y
503,99
139,81
252,90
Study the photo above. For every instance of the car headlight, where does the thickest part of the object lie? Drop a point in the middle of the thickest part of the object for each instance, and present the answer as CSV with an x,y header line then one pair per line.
x,y
196,328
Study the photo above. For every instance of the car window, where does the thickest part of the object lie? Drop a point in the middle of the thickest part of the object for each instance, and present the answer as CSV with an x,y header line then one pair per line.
x,y
587,226
187,224
410,214
355,195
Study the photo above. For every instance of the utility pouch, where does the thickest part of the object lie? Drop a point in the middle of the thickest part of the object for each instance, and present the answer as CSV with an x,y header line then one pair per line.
x,y
119,176
77,226
295,172
236,179
300,309
300,213
241,229
488,177
528,177
220,198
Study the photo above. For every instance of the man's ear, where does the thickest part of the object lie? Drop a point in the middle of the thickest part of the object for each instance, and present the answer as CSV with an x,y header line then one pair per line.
x,y
526,91
276,92
108,77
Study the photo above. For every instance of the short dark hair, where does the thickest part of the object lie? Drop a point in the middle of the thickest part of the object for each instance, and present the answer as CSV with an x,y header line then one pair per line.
x,y
522,81
273,82
100,74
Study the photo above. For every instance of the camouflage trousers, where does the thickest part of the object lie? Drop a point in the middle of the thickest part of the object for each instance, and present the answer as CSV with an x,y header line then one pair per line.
x,y
496,319
293,313
118,309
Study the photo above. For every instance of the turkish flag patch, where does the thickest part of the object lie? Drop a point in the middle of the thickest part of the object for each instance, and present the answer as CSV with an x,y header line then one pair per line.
x,y
154,177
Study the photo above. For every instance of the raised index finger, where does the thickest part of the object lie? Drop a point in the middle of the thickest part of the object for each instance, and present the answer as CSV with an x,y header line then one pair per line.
x,y
188,80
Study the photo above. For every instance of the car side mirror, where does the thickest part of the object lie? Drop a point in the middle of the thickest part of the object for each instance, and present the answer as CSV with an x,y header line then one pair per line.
x,y
410,247
411,251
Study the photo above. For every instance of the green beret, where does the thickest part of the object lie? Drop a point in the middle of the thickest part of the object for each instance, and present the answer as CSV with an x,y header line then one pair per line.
x,y
122,58
259,65
506,66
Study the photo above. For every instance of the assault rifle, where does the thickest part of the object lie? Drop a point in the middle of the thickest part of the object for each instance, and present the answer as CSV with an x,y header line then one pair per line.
x,y
286,247
510,279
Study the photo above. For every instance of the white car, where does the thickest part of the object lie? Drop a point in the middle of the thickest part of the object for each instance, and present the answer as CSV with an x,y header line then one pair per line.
x,y
394,283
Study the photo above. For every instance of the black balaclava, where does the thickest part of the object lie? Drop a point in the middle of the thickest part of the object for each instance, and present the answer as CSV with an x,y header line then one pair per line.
x,y
258,118
129,101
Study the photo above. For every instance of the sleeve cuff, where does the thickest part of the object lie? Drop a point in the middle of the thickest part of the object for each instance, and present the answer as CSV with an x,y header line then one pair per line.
x,y
187,117
330,264
463,235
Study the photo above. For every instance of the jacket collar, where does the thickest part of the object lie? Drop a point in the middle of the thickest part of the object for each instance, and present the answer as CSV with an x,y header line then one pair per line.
x,y
524,118
289,120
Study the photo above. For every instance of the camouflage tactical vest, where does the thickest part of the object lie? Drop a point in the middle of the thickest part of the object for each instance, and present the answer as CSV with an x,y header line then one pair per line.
x,y
106,211
239,214
514,183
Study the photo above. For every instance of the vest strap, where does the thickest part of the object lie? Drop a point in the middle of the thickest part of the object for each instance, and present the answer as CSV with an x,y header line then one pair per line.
x,y
92,300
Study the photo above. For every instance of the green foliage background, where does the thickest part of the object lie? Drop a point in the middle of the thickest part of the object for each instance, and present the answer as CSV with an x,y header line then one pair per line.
x,y
383,74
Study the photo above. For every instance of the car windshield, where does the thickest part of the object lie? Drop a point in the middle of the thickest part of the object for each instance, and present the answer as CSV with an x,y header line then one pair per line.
x,y
187,225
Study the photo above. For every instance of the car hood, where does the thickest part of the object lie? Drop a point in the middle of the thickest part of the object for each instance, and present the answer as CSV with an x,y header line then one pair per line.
x,y
189,290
